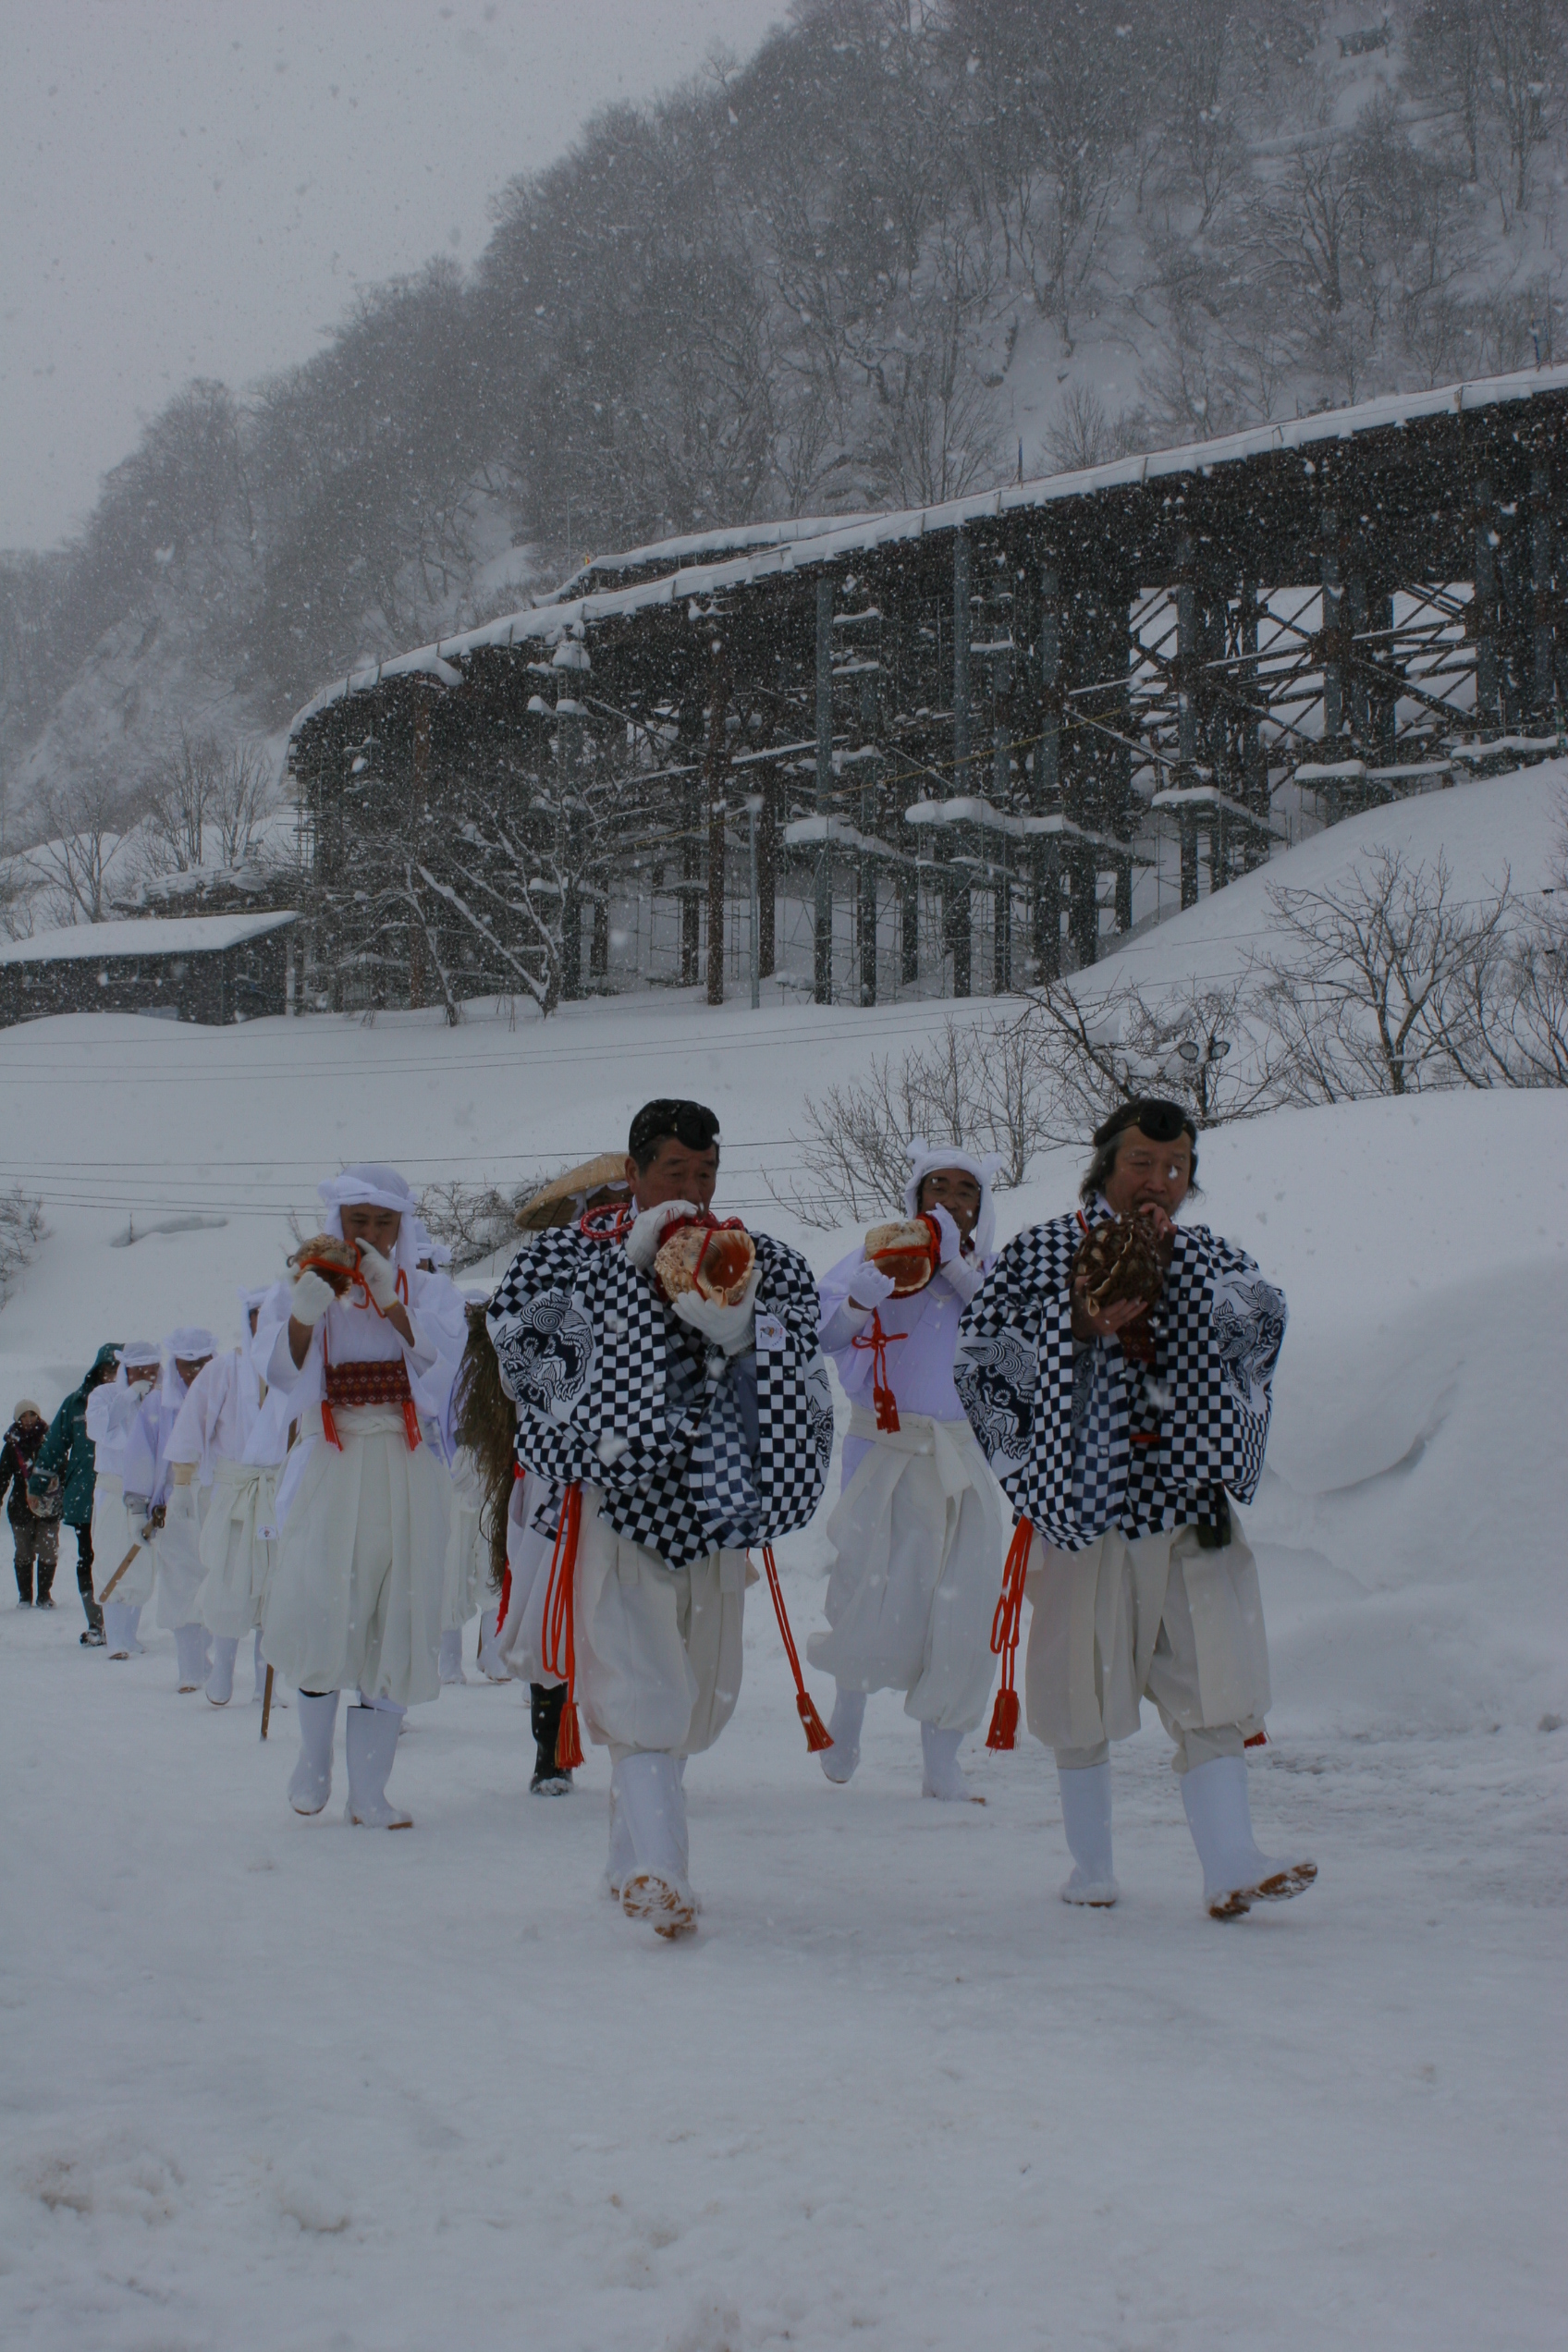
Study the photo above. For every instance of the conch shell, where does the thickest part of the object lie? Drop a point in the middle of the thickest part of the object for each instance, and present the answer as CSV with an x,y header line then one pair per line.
x,y
338,1262
909,1251
713,1260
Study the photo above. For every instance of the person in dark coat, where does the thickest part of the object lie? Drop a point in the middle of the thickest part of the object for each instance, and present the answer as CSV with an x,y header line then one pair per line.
x,y
37,1539
65,1466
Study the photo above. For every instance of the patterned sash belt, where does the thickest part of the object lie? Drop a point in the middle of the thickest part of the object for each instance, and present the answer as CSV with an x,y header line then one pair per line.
x,y
384,1381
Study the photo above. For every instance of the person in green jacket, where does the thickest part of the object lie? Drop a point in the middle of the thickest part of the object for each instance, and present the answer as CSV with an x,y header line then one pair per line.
x,y
65,1466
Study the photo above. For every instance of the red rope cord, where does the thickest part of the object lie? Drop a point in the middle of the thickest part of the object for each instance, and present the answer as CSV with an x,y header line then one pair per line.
x,y
882,1396
818,1734
1005,1623
557,1648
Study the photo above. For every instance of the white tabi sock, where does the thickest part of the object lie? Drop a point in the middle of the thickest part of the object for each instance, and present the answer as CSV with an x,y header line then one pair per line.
x,y
190,1655
220,1682
1235,1873
312,1782
370,1745
119,1629
849,1713
652,1802
1086,1816
942,1777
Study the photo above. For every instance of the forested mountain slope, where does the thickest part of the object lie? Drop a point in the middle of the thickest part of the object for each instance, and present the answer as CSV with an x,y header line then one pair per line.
x,y
906,250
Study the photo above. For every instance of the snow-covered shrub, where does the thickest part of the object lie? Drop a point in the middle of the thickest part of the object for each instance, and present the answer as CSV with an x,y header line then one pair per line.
x,y
21,1230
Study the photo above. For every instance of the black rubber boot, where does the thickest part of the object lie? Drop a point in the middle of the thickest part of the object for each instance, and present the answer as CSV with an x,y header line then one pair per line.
x,y
546,1701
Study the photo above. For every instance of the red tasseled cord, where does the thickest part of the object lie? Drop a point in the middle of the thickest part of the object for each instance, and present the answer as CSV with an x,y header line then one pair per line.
x,y
558,1647
882,1396
818,1734
1004,1636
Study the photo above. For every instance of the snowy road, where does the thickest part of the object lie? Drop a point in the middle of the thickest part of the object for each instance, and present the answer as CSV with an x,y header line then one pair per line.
x,y
275,2083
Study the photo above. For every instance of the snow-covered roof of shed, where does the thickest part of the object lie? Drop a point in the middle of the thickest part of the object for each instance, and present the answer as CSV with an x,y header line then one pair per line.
x,y
155,936
831,540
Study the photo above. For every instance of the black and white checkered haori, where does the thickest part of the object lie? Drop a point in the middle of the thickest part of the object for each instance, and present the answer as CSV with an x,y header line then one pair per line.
x,y
613,1389
1105,1441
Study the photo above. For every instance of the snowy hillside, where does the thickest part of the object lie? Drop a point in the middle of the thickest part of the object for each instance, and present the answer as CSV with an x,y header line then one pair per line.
x,y
274,2083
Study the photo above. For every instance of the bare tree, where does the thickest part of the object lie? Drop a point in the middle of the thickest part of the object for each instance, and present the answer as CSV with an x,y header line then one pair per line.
x,y
87,823
241,799
1369,988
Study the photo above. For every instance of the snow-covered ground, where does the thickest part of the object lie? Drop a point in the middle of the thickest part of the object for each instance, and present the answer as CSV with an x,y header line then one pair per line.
x,y
271,2084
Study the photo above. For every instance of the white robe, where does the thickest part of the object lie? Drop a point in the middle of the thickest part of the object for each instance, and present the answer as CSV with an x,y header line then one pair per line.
x,y
519,1634
112,1415
919,1531
355,1595
466,1568
237,1439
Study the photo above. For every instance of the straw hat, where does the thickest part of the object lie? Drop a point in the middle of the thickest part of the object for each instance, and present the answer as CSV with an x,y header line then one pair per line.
x,y
563,1200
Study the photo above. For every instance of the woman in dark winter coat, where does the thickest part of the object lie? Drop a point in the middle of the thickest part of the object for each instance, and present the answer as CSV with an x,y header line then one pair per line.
x,y
65,1464
37,1539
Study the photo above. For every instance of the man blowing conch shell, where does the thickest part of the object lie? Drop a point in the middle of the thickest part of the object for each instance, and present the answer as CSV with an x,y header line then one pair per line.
x,y
919,1529
1121,1385
674,1403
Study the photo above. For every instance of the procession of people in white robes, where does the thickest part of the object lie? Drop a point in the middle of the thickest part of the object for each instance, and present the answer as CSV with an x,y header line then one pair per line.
x,y
1018,1429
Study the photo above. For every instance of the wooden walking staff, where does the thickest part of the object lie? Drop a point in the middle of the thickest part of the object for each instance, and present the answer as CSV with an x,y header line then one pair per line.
x,y
266,1703
119,1571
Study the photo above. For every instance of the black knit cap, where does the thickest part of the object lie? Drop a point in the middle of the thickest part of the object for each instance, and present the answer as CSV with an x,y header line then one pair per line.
x,y
691,1123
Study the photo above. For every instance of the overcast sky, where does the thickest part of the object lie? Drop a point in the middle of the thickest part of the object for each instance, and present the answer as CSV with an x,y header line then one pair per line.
x,y
196,186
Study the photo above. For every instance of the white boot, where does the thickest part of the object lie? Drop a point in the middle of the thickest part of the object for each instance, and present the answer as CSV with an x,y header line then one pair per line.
x,y
119,1628
622,1861
370,1742
190,1653
492,1665
312,1782
652,1803
1086,1816
1235,1874
220,1682
133,1619
849,1713
450,1664
942,1777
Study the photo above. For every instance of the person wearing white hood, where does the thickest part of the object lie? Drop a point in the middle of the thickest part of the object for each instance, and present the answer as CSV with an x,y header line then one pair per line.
x,y
355,1597
122,1558
228,1440
173,1513
920,1531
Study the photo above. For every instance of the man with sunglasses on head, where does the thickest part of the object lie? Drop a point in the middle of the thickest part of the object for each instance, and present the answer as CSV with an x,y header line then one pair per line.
x,y
1124,1457
673,1432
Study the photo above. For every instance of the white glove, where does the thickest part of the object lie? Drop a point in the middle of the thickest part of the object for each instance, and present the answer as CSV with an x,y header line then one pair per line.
x,y
952,1240
136,1512
870,1286
141,1388
729,1328
961,1272
310,1299
380,1276
181,1504
648,1228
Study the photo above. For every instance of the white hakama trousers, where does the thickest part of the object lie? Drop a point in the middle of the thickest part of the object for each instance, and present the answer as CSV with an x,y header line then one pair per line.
x,y
920,1534
355,1597
113,1535
180,1573
658,1649
466,1565
237,1558
519,1638
1155,1616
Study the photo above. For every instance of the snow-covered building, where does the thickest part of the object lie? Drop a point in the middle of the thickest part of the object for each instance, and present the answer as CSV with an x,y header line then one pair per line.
x,y
210,969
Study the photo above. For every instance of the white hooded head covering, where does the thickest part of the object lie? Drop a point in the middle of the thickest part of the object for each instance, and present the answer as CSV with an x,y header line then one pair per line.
x,y
428,1250
138,1356
188,1341
372,1186
924,1158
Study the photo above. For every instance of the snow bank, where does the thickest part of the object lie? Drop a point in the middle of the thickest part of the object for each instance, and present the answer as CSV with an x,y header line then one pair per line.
x,y
272,2080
